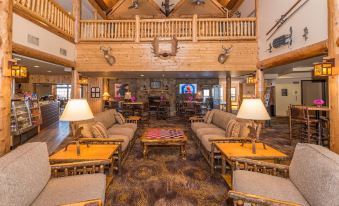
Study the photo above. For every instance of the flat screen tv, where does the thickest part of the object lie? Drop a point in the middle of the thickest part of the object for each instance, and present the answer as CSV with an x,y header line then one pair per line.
x,y
188,88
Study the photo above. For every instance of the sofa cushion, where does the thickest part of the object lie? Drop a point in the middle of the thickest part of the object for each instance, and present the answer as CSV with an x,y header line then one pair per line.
x,y
216,131
233,128
267,186
106,118
86,129
206,143
198,125
206,116
245,127
120,118
121,131
72,189
314,170
210,116
124,144
99,130
24,172
221,118
127,125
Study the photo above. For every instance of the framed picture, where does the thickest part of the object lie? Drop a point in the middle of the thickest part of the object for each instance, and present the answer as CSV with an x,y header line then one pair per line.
x,y
95,92
117,90
155,85
284,92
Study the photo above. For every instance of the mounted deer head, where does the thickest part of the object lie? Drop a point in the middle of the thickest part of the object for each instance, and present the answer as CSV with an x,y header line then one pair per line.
x,y
223,57
174,48
110,59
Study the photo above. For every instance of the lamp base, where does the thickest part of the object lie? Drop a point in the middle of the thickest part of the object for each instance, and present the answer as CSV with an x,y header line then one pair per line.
x,y
76,140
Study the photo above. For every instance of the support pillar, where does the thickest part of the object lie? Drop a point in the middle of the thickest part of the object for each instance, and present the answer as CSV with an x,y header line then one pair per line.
x,y
6,19
228,92
333,81
241,93
77,17
75,94
259,84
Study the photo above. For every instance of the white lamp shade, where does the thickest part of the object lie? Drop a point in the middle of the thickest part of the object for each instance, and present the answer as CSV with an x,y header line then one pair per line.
x,y
253,109
128,95
77,110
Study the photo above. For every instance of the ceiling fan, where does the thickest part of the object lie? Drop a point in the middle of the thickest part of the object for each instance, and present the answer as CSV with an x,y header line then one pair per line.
x,y
134,5
198,2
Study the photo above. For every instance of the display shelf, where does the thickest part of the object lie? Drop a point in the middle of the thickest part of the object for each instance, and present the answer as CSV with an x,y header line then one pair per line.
x,y
19,122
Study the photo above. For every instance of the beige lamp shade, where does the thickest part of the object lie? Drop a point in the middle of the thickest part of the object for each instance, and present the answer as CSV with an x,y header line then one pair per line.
x,y
253,109
106,94
128,95
77,110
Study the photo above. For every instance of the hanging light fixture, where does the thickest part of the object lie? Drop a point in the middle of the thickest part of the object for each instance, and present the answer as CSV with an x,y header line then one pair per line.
x,y
83,80
323,69
19,71
250,79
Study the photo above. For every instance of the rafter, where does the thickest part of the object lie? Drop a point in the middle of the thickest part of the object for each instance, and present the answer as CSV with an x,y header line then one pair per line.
x,y
185,8
97,8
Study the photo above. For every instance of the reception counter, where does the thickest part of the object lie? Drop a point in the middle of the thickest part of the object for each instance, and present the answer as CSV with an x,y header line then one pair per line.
x,y
49,113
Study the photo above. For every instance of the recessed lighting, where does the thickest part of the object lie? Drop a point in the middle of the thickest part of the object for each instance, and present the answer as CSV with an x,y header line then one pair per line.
x,y
142,75
18,59
36,66
49,71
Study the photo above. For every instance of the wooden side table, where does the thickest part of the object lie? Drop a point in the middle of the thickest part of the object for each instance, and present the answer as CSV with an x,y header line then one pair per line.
x,y
229,150
133,119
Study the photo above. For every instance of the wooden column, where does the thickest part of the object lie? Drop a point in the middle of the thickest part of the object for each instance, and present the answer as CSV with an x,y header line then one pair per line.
x,y
77,17
137,28
6,19
228,92
259,84
333,81
241,93
195,28
75,94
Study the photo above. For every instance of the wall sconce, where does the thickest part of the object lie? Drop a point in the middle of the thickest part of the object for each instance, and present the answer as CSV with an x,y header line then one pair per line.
x,y
323,69
19,71
83,81
251,79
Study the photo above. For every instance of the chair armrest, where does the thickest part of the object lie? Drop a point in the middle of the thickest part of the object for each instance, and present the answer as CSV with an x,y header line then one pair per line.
x,y
78,168
261,167
96,202
241,198
196,119
100,140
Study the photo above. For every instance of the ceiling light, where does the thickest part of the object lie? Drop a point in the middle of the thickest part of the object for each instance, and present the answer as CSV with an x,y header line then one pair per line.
x,y
49,71
36,66
18,59
142,75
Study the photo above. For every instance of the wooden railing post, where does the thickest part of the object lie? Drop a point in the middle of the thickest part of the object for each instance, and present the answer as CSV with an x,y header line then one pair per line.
x,y
137,28
77,16
75,90
195,28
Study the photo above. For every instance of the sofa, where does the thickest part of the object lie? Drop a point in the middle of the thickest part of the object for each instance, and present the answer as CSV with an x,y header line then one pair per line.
x,y
207,133
311,179
27,178
122,134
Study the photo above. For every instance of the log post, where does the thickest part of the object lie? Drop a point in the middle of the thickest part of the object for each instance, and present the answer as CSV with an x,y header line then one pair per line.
x,y
75,92
77,17
241,93
195,28
228,92
259,84
6,19
333,81
137,28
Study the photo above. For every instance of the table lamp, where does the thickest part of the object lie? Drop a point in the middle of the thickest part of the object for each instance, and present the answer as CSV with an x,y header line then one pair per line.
x,y
128,96
254,109
76,110
106,96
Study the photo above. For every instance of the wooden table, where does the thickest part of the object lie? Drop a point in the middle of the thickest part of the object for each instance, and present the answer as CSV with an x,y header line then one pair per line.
x,y
229,150
164,137
315,108
93,152
133,119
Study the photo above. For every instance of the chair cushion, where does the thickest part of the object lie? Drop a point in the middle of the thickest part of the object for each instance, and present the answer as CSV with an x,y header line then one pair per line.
x,y
198,125
121,131
123,144
127,125
206,143
24,172
99,130
120,118
267,186
314,170
72,189
203,131
106,117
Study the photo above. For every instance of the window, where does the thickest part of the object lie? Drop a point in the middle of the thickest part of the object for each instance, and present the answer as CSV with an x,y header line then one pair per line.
x,y
206,93
233,94
64,91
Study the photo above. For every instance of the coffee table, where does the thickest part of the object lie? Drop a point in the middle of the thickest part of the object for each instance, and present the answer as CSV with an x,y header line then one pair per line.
x,y
164,137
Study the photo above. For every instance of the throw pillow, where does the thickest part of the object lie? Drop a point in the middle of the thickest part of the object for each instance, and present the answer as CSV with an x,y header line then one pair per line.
x,y
210,117
206,116
120,118
99,130
233,128
86,131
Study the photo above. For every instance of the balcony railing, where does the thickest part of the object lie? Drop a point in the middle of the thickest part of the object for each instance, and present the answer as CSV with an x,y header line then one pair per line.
x,y
49,13
194,29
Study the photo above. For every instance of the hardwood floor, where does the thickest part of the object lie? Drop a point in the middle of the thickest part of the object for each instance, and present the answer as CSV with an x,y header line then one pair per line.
x,y
53,135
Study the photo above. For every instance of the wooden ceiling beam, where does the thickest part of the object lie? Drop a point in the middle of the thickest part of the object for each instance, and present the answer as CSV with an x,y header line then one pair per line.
x,y
98,9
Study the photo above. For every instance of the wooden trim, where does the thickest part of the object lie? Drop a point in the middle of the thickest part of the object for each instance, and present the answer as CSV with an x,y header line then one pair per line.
x,y
182,2
99,11
36,54
40,22
115,7
293,56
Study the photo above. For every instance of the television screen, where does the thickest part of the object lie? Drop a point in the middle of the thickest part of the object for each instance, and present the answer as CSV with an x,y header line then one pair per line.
x,y
188,88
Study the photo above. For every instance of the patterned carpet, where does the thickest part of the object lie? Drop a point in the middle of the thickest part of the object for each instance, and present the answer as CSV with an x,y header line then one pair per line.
x,y
164,179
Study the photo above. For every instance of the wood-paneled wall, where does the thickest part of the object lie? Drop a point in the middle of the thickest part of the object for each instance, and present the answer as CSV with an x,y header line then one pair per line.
x,y
96,104
201,56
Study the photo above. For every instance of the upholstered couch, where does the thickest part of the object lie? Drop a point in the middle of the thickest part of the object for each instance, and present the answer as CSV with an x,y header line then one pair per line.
x,y
123,134
215,129
27,178
311,179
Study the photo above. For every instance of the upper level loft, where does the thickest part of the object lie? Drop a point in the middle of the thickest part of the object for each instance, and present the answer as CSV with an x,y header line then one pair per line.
x,y
187,21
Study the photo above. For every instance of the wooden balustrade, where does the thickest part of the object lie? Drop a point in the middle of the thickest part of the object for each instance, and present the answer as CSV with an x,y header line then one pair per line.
x,y
107,30
184,29
48,12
